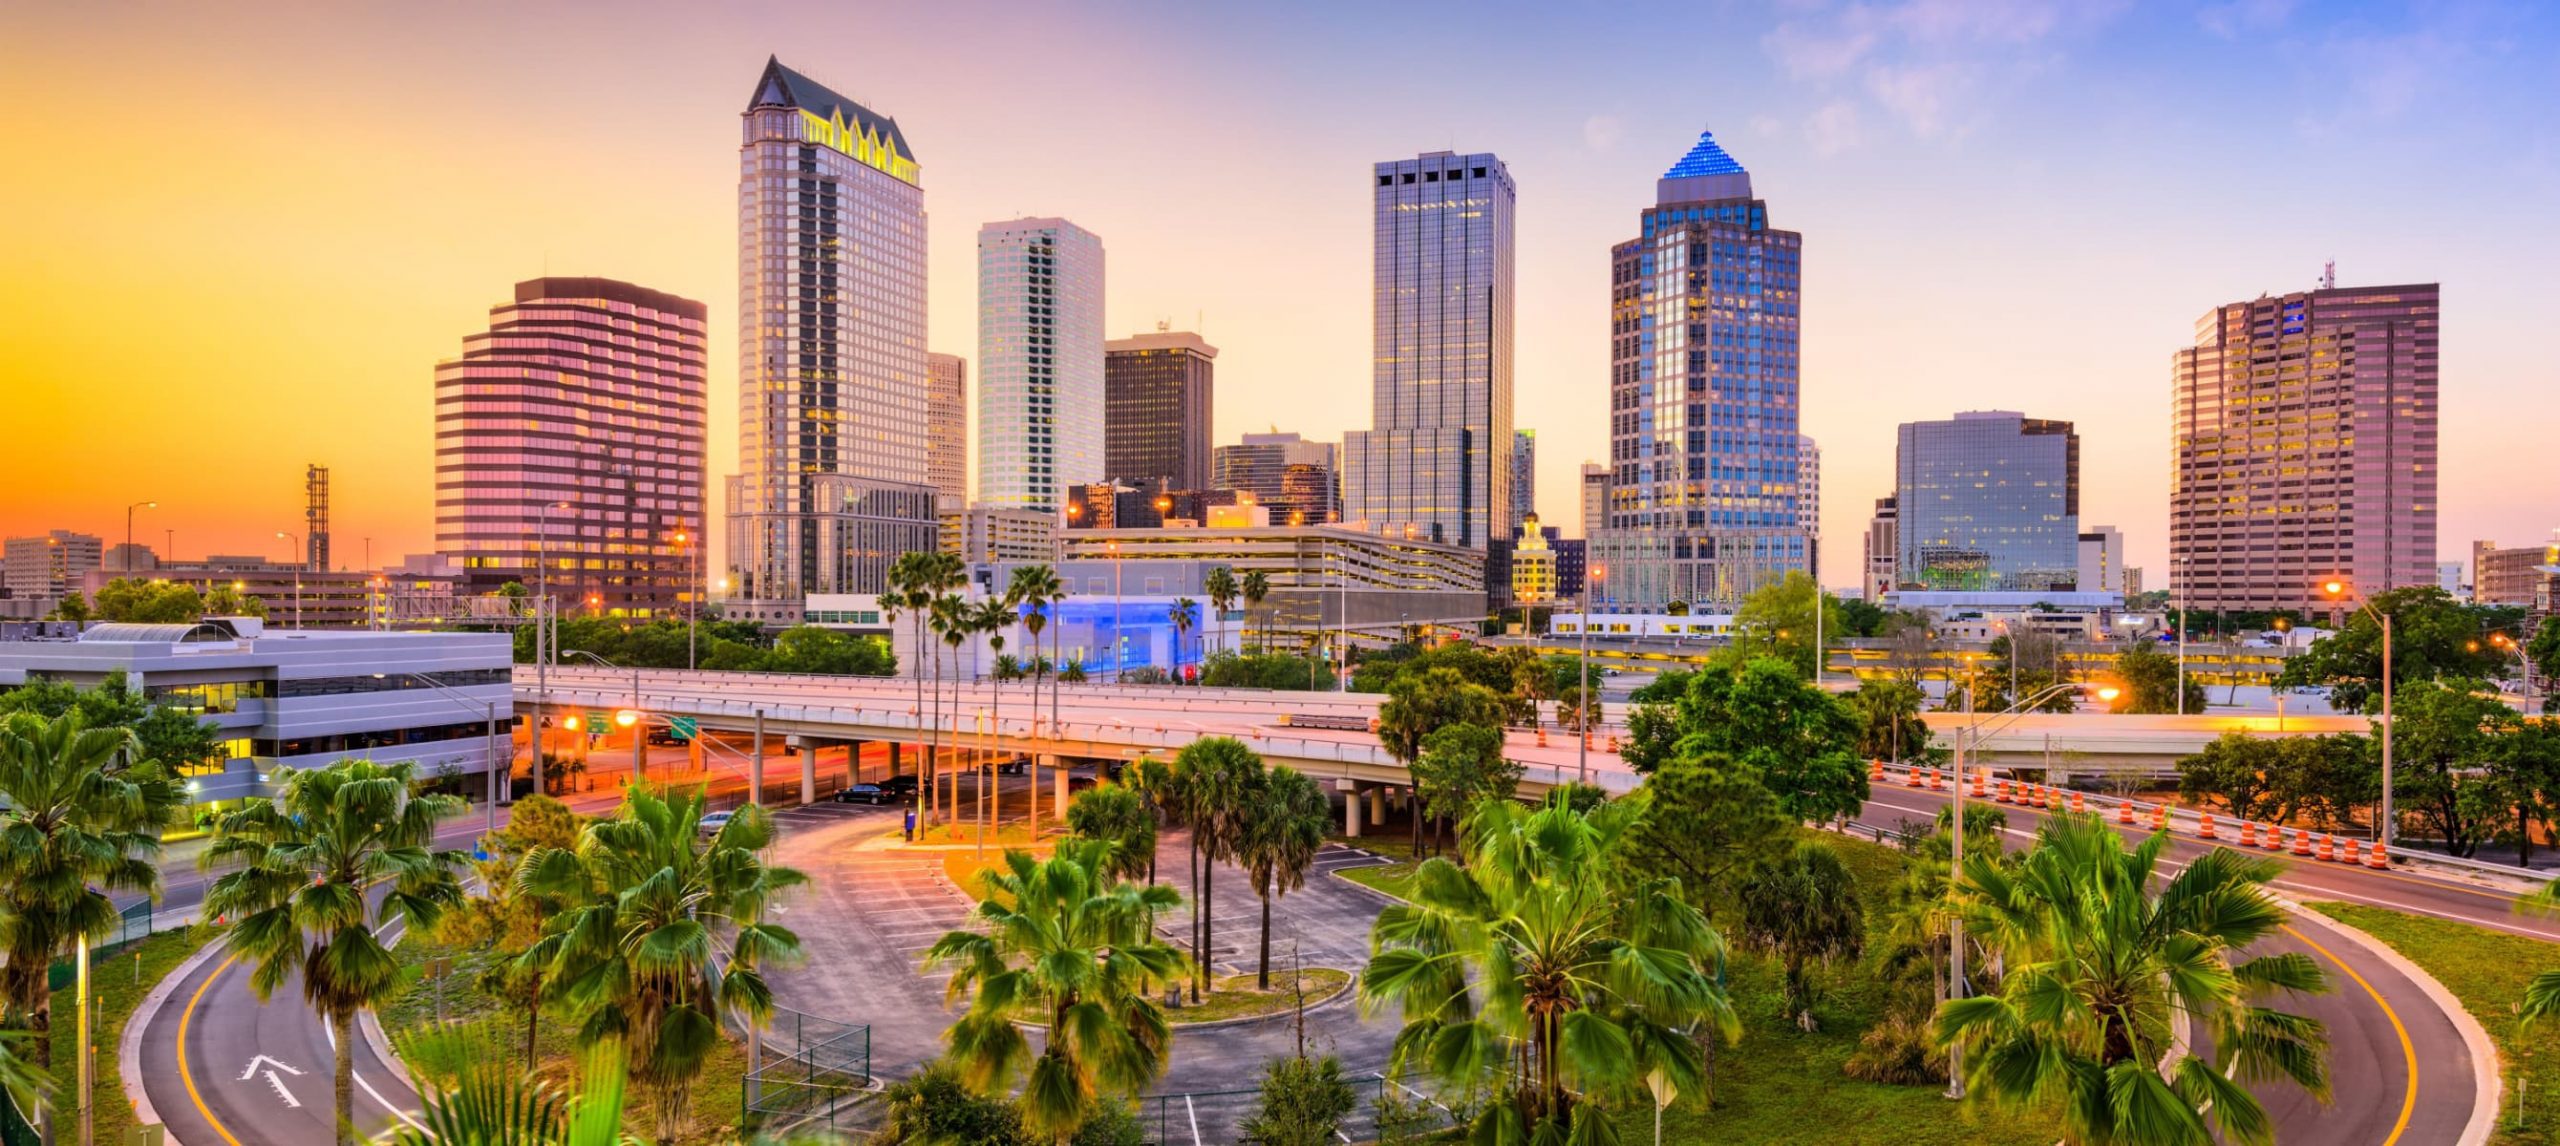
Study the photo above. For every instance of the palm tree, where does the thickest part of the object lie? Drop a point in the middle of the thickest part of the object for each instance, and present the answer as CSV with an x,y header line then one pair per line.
x,y
1071,949
1216,779
308,862
1543,959
664,936
1036,586
1222,589
1256,586
994,615
907,595
1073,673
1277,835
1119,814
1800,908
1185,615
954,622
82,818
2099,962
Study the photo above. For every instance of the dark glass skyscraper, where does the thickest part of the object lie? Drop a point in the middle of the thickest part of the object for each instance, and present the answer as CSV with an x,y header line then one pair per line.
x,y
1156,398
1987,500
1704,317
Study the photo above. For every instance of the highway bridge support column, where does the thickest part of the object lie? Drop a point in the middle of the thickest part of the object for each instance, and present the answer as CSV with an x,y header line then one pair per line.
x,y
1378,805
1058,776
809,746
893,757
755,763
1351,810
852,763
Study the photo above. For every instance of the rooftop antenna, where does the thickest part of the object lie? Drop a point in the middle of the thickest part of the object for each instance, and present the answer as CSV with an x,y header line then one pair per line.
x,y
1164,325
2329,275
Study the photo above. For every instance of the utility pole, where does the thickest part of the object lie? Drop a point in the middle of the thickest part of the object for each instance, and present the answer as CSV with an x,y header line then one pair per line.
x,y
1955,870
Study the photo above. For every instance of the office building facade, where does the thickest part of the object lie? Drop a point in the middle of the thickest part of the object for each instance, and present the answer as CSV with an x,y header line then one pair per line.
x,y
570,443
1297,479
1595,497
1436,463
831,353
1524,475
50,565
1809,502
2305,449
946,460
1158,391
1704,323
2101,560
2509,575
1883,548
1988,500
1040,394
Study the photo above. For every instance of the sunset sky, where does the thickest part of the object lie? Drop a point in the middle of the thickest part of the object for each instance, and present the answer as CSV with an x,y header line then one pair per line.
x,y
237,238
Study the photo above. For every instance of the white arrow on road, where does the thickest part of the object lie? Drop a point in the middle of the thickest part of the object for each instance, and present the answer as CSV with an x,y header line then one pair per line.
x,y
272,1066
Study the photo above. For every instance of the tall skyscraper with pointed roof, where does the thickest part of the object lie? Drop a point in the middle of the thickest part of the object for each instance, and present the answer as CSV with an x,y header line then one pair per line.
x,y
1705,307
833,483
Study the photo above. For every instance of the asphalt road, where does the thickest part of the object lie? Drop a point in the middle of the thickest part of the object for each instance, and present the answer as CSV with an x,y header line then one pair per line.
x,y
2400,1072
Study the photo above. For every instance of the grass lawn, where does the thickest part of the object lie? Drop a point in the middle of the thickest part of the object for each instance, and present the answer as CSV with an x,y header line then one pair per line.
x,y
120,983
2488,971
483,1025
1234,997
1395,879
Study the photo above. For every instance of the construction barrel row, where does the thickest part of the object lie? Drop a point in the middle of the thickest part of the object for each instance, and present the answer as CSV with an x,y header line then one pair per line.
x,y
2302,842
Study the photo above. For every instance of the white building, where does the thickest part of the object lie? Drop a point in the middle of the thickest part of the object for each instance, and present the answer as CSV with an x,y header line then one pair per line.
x,y
2102,560
1809,499
1040,391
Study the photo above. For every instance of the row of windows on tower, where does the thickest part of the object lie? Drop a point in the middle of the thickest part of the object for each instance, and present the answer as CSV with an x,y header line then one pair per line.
x,y
1452,175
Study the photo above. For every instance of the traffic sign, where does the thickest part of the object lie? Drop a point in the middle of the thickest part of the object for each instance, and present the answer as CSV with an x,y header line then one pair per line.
x,y
682,726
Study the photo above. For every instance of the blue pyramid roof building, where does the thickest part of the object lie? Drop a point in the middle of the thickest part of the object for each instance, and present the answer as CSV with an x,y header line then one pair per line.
x,y
1705,175
1705,159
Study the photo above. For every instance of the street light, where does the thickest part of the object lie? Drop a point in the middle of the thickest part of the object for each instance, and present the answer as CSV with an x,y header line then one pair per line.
x,y
2337,591
128,529
544,613
1582,697
297,576
629,717
490,708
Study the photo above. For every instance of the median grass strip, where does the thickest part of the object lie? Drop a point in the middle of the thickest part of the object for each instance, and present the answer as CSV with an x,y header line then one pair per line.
x,y
1395,879
1235,997
120,980
2488,971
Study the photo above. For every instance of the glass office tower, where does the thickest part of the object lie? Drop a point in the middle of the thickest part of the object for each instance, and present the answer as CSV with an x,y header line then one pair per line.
x,y
1040,396
1988,501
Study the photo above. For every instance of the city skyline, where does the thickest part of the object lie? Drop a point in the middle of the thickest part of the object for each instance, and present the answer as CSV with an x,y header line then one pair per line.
x,y
1823,101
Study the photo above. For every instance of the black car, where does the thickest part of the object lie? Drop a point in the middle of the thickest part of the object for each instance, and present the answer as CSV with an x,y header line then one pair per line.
x,y
898,787
871,794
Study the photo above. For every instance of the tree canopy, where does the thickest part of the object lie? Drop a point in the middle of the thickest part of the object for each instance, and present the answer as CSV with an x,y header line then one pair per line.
x,y
1798,740
1776,620
2433,637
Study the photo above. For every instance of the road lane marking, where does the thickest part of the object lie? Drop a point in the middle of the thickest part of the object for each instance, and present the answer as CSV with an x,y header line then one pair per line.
x,y
2408,1051
188,1076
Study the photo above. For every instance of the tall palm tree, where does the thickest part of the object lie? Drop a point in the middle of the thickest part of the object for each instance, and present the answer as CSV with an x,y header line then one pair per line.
x,y
1222,589
1217,778
82,817
309,862
665,935
1035,586
953,621
995,615
1185,616
1803,907
1278,833
1256,586
1119,814
1070,949
908,597
2100,959
1543,960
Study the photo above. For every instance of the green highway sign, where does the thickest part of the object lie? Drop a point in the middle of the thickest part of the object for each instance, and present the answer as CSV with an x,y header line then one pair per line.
x,y
682,726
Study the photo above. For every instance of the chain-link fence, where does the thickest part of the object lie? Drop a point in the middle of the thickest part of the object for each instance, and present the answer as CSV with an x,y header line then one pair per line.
x,y
133,924
811,1071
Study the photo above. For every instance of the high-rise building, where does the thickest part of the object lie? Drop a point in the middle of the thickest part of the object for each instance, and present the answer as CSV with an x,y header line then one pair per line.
x,y
1884,548
2101,560
1436,463
1157,395
1524,475
315,516
50,565
1294,477
1809,502
946,446
1704,321
2509,576
1595,497
833,483
2305,449
1040,396
1988,500
587,396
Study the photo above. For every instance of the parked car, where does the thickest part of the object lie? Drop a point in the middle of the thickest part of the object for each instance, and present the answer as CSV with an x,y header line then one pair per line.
x,y
898,787
712,822
871,794
1077,784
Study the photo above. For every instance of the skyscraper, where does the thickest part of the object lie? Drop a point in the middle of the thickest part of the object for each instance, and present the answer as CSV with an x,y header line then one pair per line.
x,y
831,357
1595,498
1524,475
1704,321
947,429
1296,478
1040,397
2101,559
1988,500
1157,396
1436,462
588,396
2305,437
1809,502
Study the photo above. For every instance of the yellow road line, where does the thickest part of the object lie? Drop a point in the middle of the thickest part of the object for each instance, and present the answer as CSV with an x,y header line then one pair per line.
x,y
2408,1051
187,1076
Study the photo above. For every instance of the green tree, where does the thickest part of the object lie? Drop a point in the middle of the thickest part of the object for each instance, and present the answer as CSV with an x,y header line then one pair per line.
x,y
1037,589
226,601
933,1107
1073,673
1277,834
1700,819
1801,908
1421,703
1461,765
1118,815
2244,773
1255,587
1222,590
1862,618
1184,615
1303,1102
2432,636
1214,780
821,651
1073,952
152,602
664,935
2039,667
1890,726
507,918
2148,682
2544,651
1800,740
1776,620
2098,961
81,809
305,864
1539,960
2528,775
73,608
2447,752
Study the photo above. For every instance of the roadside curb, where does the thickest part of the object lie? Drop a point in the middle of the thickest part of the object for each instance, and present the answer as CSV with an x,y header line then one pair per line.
x,y
1349,984
369,1028
129,1048
2486,1092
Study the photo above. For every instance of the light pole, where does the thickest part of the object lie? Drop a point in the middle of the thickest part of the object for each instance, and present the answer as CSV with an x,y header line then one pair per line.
x,y
297,576
1116,649
543,636
639,735
498,760
692,594
1582,695
128,529
2338,591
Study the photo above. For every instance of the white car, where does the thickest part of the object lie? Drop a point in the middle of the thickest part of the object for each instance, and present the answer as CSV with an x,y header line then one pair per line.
x,y
712,822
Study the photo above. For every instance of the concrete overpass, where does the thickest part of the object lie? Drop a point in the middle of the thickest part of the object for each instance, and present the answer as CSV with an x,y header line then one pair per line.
x,y
2081,743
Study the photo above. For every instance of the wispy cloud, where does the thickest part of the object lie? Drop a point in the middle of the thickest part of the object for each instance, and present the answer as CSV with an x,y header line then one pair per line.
x,y
1930,65
2237,17
1602,132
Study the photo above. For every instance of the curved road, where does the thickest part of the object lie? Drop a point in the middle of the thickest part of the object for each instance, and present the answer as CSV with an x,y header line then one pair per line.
x,y
223,1069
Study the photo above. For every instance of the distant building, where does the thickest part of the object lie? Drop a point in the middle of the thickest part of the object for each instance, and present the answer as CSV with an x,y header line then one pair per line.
x,y
2449,579
2132,581
1158,392
1436,462
295,597
946,444
2304,438
571,435
1809,502
1040,392
1570,554
1533,566
2101,559
1884,548
1988,501
1524,475
1316,573
984,534
1595,497
50,565
2507,576
1296,479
